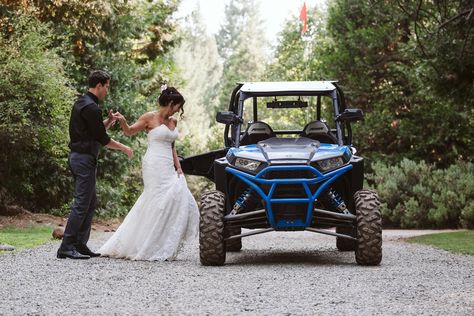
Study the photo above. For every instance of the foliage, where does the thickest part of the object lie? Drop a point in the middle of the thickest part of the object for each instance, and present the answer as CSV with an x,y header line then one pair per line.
x,y
216,139
418,195
458,242
131,40
237,15
408,65
90,32
197,62
241,46
296,54
34,106
444,45
393,58
298,57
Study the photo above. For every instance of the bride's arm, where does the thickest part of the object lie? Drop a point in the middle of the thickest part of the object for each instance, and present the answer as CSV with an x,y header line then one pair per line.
x,y
177,165
136,127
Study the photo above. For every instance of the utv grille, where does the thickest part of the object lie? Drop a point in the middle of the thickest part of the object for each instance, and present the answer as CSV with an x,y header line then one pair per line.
x,y
289,174
289,213
289,191
295,190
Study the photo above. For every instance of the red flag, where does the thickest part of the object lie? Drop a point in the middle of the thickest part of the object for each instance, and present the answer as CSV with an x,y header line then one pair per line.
x,y
303,17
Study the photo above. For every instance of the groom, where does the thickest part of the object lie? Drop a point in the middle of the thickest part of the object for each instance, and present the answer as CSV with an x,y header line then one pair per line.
x,y
87,134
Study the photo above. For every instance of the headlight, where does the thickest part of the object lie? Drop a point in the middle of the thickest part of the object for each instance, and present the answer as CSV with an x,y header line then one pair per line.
x,y
331,163
248,164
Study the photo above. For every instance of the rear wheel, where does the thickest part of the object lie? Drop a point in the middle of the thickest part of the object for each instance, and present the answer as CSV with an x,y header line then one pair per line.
x,y
369,228
233,244
211,229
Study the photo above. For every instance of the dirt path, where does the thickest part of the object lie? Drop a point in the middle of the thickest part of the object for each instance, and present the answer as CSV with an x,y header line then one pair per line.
x,y
24,218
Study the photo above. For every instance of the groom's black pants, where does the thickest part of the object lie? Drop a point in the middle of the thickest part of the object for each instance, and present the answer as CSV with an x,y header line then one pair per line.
x,y
78,228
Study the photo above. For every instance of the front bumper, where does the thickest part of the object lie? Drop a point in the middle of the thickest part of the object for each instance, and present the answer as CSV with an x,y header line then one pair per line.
x,y
272,203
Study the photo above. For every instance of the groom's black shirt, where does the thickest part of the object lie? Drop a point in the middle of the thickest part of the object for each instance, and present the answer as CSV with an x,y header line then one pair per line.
x,y
86,128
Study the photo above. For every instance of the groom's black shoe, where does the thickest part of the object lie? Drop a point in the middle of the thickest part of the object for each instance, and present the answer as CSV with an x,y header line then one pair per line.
x,y
84,250
72,254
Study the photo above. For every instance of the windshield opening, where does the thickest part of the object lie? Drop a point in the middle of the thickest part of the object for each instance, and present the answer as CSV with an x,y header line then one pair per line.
x,y
285,119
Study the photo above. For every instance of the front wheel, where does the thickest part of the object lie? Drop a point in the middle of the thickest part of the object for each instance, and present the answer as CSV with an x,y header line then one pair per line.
x,y
211,229
369,228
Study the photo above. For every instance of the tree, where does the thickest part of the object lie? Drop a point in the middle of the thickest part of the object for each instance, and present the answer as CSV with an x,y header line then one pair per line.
x,y
197,61
240,45
443,41
297,58
229,35
131,40
296,55
34,105
408,65
377,53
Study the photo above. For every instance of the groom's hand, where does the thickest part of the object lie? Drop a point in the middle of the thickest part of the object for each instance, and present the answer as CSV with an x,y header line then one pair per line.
x,y
118,116
110,121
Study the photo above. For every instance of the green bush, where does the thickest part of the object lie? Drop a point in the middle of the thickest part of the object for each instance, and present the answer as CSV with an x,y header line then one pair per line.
x,y
34,105
116,199
417,195
43,53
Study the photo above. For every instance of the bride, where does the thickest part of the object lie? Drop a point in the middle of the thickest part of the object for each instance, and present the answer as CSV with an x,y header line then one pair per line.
x,y
165,215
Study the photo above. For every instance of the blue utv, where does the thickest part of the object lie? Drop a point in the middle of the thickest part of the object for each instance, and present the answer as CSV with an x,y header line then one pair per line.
x,y
275,178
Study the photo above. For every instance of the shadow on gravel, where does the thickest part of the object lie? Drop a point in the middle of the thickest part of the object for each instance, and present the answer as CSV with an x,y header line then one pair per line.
x,y
257,257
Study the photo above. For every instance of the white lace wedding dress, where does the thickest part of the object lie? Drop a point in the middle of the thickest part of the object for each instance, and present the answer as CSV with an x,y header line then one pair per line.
x,y
164,216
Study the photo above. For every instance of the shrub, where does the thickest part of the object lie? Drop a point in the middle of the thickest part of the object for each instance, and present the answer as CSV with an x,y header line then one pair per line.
x,y
34,106
417,195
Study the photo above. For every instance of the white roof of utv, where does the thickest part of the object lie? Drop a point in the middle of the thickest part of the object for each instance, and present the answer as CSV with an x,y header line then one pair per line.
x,y
288,86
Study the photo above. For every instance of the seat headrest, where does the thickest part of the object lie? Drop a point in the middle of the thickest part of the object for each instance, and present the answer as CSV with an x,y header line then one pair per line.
x,y
316,127
259,128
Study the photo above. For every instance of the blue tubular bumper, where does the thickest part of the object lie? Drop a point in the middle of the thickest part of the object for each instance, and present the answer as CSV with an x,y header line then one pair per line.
x,y
253,182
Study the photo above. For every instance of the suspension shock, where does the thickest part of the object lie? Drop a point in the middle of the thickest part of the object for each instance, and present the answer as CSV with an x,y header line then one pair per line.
x,y
336,201
243,201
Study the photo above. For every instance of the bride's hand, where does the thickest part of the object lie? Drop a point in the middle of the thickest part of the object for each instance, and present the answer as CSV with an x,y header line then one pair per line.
x,y
179,171
118,116
110,116
128,151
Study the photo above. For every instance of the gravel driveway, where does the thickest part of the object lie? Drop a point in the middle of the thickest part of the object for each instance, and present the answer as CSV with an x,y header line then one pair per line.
x,y
297,273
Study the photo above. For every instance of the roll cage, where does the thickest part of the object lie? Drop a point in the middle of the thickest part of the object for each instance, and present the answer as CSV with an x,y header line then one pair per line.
x,y
244,91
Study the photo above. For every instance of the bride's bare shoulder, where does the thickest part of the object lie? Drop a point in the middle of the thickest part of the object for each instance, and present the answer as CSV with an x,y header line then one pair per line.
x,y
173,121
147,116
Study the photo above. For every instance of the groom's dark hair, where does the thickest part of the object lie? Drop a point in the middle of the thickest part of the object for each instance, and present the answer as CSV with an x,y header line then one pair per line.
x,y
170,94
98,76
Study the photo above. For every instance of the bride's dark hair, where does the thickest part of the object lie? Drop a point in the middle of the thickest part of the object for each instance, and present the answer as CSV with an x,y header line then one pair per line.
x,y
170,94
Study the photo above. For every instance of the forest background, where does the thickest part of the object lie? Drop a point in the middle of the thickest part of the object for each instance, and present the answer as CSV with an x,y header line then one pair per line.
x,y
409,65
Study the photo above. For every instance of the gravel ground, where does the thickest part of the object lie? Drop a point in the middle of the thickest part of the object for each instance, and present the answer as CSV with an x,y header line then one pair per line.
x,y
297,273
